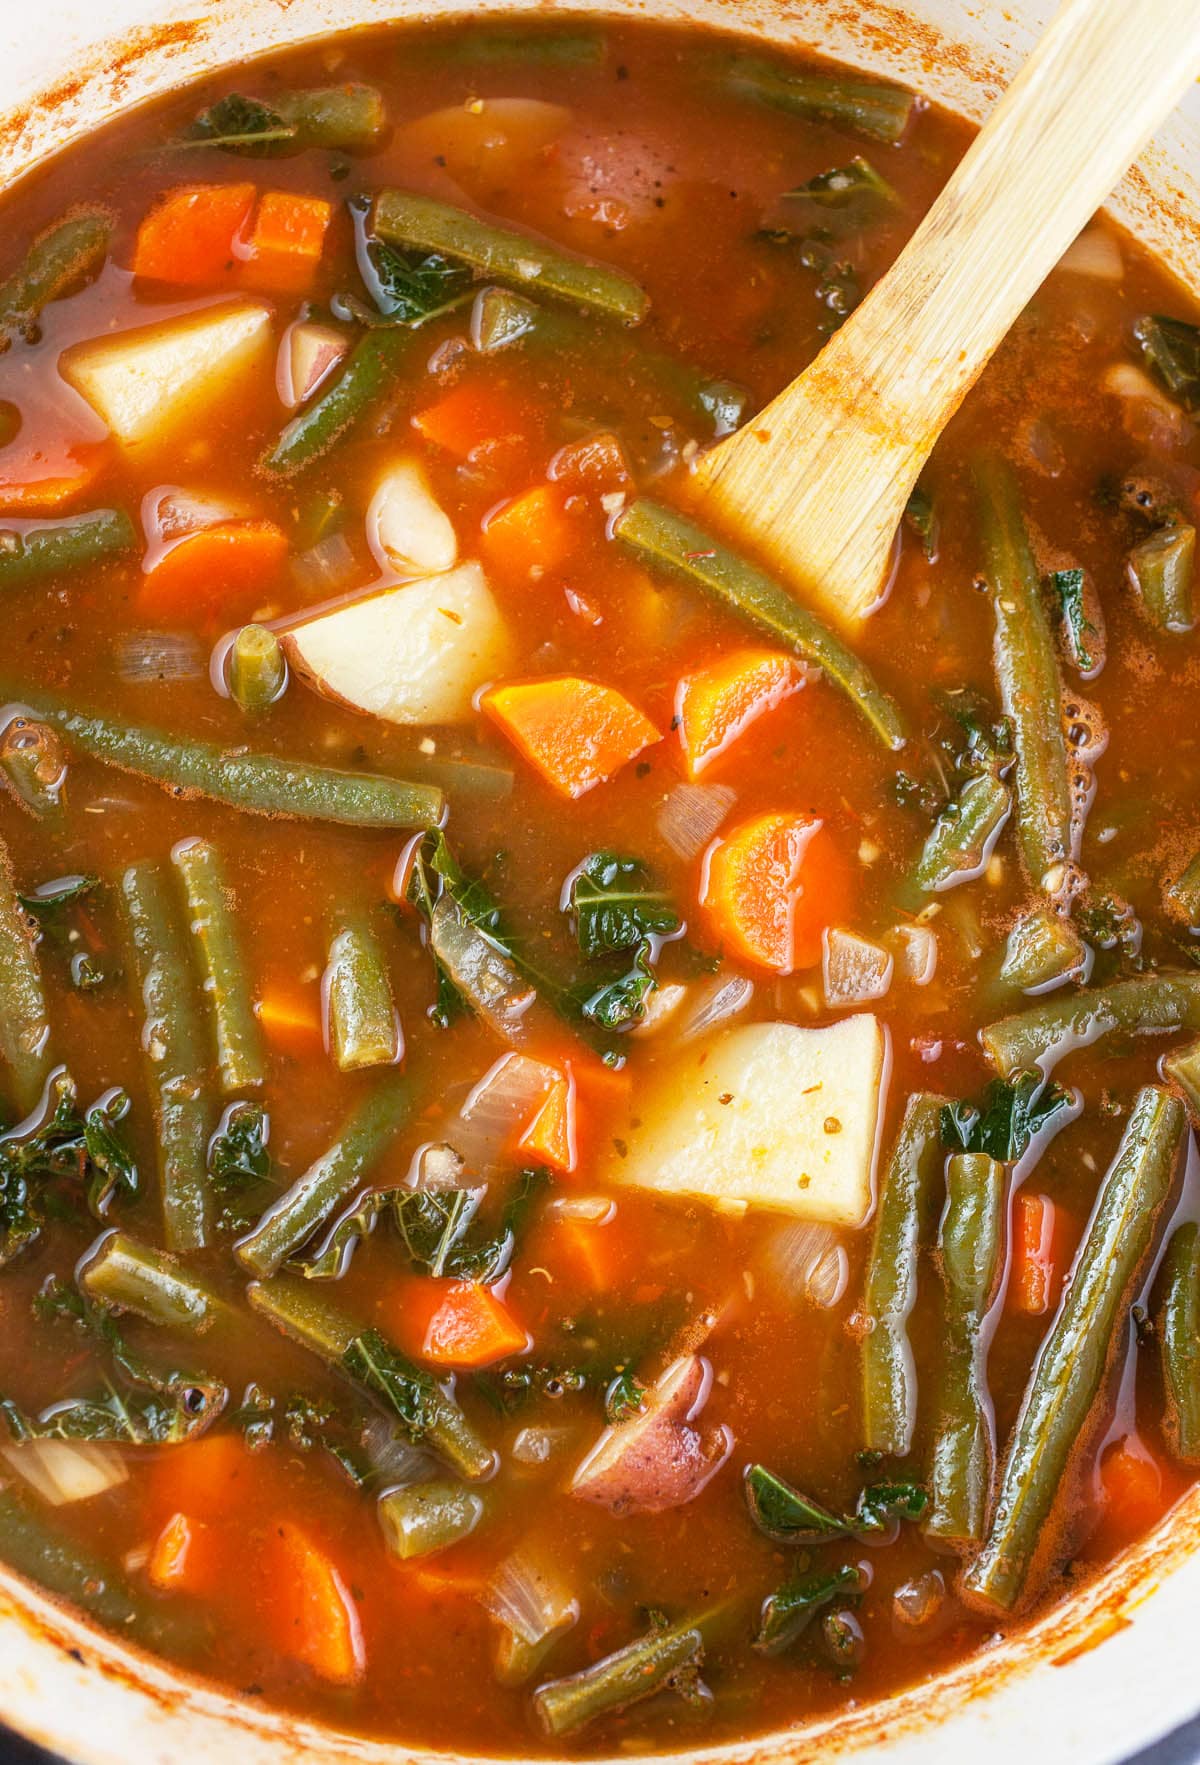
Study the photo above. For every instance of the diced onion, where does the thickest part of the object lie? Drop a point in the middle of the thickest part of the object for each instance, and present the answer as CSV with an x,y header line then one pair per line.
x,y
691,814
537,1446
661,1005
66,1471
594,1210
528,1598
500,1107
1095,253
854,970
482,973
437,1167
158,655
325,568
393,1458
918,953
804,1260
713,1004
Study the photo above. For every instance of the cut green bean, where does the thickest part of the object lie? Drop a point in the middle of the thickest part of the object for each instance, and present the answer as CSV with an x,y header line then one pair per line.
x,y
315,1197
64,257
427,1517
581,48
969,1242
868,107
902,1218
135,1277
1162,569
368,374
1043,949
258,784
363,1027
346,119
35,550
962,838
517,259
1179,1338
24,1022
651,1665
1149,1004
1182,1067
1070,1369
173,1046
1183,894
667,541
428,1415
240,1059
33,761
501,319
257,669
461,777
1029,681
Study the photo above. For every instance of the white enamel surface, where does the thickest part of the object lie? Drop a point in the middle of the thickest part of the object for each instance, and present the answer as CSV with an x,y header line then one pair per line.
x,y
1013,1703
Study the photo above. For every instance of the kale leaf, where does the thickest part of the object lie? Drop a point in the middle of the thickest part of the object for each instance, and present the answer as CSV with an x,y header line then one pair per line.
x,y
921,516
1172,348
409,1391
846,186
47,906
239,1164
615,905
1006,1118
83,1151
405,287
1068,587
787,1613
241,125
786,1515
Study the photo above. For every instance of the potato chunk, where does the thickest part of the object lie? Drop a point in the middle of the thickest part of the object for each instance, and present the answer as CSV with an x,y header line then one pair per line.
x,y
149,382
768,1114
415,654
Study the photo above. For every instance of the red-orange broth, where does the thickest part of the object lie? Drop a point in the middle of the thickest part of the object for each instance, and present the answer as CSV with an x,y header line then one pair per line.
x,y
235,1524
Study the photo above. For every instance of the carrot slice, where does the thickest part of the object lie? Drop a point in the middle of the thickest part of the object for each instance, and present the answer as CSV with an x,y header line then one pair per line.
x,y
576,732
550,1136
314,1618
1036,1273
286,243
595,465
714,707
41,480
456,1323
181,1558
224,567
580,1253
530,534
772,886
202,1478
190,236
472,416
1131,1479
291,1021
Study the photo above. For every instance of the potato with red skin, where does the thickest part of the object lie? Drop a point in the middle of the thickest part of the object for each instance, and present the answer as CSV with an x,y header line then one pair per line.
x,y
657,1459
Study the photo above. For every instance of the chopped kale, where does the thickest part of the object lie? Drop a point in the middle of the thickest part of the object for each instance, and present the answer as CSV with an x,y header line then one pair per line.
x,y
64,1151
241,125
1006,1119
624,1397
788,1517
921,516
1172,348
787,1613
239,1164
615,905
408,1391
405,287
846,185
1068,587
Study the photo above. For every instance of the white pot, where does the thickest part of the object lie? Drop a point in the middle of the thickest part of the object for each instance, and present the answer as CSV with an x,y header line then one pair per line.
x,y
1100,1676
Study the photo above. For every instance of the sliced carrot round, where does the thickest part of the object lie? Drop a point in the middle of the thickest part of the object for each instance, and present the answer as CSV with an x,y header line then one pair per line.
x,y
772,886
715,706
314,1619
576,732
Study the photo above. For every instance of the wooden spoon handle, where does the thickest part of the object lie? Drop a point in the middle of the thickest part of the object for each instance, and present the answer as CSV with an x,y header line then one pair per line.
x,y
820,479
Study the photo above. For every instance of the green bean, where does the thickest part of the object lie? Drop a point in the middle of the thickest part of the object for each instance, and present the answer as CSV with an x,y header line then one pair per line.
x,y
506,255
426,1517
1183,893
640,1670
890,1292
969,1242
867,106
120,1271
34,763
669,542
1071,1366
1179,1339
961,839
541,48
1043,947
459,776
316,1196
1039,1037
38,549
24,1023
350,118
427,1414
257,670
1162,569
64,256
240,1060
1182,1067
501,319
363,1027
1028,677
172,1043
258,784
368,373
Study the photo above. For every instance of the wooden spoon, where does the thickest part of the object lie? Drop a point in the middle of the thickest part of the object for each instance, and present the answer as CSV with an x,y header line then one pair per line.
x,y
816,484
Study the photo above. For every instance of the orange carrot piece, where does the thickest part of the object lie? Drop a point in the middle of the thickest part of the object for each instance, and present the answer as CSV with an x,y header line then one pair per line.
x,y
595,465
576,732
286,243
180,1560
190,237
224,568
291,1021
202,1478
581,1253
550,1137
455,1323
1037,1259
472,416
313,1616
772,886
530,534
1132,1482
42,480
714,707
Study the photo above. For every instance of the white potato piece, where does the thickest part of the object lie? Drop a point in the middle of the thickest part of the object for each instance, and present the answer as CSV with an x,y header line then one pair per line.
x,y
407,528
308,353
413,654
157,379
768,1114
658,1458
485,142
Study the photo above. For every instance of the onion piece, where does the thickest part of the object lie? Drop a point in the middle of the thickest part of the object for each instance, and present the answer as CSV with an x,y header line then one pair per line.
x,y
854,970
691,814
393,1458
713,1004
501,1107
661,1005
529,1598
537,1446
139,656
803,1259
483,974
326,568
594,1210
66,1471
1094,253
436,1167
918,953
